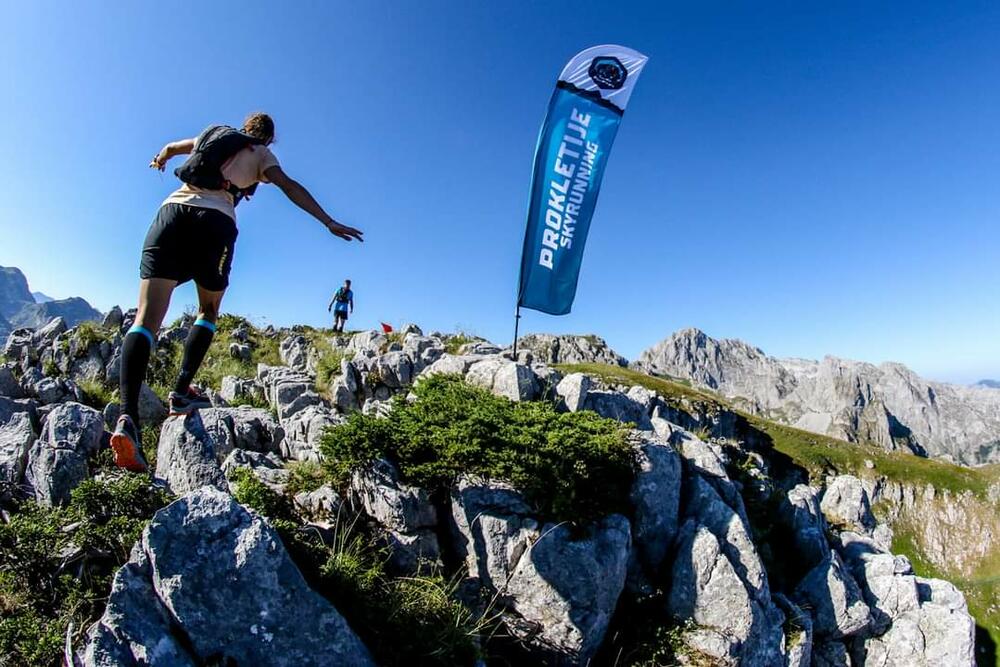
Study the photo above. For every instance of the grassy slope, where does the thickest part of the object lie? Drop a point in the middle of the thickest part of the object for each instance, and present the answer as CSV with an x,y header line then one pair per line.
x,y
820,455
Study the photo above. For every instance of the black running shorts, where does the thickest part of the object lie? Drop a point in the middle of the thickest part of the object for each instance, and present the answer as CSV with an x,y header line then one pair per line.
x,y
342,314
190,243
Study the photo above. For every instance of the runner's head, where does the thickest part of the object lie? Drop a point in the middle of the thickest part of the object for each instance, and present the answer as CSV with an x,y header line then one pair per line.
x,y
347,284
259,125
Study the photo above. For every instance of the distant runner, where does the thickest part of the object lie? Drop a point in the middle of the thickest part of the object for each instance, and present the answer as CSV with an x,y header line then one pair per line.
x,y
193,238
343,298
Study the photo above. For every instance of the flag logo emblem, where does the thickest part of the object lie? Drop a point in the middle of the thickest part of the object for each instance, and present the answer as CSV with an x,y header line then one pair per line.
x,y
608,72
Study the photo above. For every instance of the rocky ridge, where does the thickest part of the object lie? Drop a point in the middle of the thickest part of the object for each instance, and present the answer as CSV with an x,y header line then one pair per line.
x,y
888,404
20,309
692,531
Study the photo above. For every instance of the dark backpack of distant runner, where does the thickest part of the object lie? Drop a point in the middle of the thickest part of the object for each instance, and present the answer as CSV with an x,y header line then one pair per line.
x,y
341,296
212,149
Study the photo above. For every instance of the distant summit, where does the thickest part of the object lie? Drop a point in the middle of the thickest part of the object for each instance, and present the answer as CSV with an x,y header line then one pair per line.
x,y
19,307
41,297
989,384
887,404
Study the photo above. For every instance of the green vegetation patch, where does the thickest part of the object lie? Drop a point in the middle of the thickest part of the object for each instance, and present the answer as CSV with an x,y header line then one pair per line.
x,y
571,466
56,564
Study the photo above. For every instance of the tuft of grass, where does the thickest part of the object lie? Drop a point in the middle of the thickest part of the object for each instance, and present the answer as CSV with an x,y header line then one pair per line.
x,y
453,344
403,620
88,333
97,394
305,476
571,466
56,564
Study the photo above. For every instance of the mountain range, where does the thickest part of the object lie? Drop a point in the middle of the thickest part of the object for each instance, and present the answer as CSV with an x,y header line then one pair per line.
x,y
19,307
886,404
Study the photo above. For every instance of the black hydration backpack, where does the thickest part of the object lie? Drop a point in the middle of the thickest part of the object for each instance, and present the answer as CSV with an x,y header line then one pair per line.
x,y
213,147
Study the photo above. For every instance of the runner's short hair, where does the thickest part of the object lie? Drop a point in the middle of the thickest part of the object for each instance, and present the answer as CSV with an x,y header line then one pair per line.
x,y
259,125
348,281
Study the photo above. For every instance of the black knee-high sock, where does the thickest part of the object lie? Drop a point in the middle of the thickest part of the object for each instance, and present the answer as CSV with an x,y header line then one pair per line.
x,y
135,358
195,349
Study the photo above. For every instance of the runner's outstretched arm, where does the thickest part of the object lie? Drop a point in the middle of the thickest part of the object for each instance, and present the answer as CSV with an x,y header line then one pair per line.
x,y
296,192
182,147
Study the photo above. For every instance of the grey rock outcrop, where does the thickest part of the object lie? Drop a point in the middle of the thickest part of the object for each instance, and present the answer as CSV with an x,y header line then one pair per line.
x,y
886,404
16,437
568,349
845,503
655,497
838,606
559,590
211,581
504,378
186,457
57,462
404,511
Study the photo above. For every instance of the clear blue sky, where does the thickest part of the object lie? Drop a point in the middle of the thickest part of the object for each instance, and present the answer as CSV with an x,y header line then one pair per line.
x,y
811,177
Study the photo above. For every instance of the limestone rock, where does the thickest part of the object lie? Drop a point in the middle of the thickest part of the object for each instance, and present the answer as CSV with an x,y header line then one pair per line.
x,y
838,607
57,462
210,581
186,458
567,349
845,503
303,431
504,378
655,497
16,437
404,511
573,390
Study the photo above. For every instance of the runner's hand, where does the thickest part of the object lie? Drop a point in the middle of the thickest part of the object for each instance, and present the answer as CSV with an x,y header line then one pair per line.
x,y
158,163
345,232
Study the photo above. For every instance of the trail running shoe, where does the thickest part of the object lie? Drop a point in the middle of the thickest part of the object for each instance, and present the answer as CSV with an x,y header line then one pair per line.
x,y
126,446
185,404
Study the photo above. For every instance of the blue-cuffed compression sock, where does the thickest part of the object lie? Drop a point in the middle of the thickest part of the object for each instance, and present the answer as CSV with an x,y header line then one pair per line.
x,y
195,348
136,348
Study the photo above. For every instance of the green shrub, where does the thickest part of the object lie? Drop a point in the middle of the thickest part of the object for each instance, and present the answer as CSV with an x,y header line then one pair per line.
x,y
305,476
56,564
572,466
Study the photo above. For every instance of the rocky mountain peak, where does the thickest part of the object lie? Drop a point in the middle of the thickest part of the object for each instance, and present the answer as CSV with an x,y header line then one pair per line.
x,y
887,404
19,308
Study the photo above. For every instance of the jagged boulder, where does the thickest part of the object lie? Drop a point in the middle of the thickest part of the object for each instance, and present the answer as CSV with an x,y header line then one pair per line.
x,y
719,581
268,468
845,503
57,462
322,504
404,511
211,582
303,431
939,632
573,390
186,457
242,427
235,389
801,515
9,386
295,352
655,498
504,378
450,364
799,640
619,406
560,589
836,601
16,436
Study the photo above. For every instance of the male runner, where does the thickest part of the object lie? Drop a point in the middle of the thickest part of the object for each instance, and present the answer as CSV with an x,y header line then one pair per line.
x,y
342,298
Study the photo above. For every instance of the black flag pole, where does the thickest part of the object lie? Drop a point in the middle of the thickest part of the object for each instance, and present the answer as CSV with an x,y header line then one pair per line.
x,y
517,321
